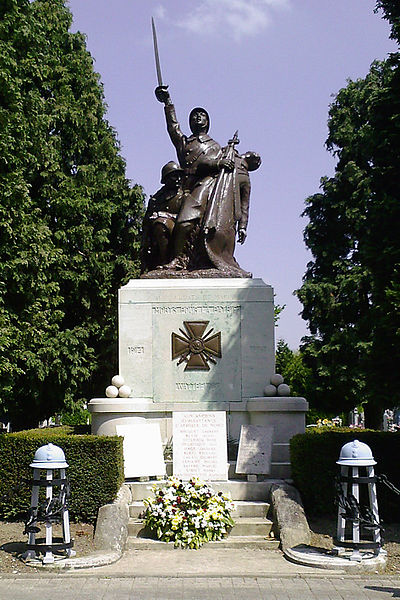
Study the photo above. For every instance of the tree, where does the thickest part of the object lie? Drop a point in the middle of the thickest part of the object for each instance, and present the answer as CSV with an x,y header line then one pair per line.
x,y
290,364
69,220
351,289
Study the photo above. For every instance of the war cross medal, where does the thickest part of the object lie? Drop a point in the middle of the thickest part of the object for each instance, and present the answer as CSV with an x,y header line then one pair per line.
x,y
196,348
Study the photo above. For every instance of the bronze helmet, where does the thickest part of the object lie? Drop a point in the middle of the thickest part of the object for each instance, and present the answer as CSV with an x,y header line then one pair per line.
x,y
203,110
169,168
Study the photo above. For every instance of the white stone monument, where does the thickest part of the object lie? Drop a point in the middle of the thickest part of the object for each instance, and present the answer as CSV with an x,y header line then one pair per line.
x,y
200,345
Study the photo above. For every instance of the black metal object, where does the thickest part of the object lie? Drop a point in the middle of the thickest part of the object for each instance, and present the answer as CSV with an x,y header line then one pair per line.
x,y
383,479
354,512
51,547
49,511
362,545
48,482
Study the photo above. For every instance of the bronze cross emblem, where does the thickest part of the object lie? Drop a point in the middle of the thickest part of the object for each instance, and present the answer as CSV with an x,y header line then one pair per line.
x,y
196,348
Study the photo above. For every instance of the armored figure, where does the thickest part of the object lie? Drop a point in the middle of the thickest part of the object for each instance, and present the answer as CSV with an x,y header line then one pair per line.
x,y
159,220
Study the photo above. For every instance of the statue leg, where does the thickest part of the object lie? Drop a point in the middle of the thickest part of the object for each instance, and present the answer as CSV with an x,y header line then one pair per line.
x,y
181,235
161,238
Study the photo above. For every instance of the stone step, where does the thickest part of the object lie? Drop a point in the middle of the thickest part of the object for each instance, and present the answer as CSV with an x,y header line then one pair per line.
x,y
250,526
234,542
239,490
136,528
136,509
244,526
250,508
243,508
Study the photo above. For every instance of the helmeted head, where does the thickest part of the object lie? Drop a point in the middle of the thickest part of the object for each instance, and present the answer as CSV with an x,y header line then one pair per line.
x,y
199,120
253,160
168,169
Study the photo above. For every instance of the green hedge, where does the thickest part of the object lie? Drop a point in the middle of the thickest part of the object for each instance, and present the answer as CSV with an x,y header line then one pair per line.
x,y
95,470
314,455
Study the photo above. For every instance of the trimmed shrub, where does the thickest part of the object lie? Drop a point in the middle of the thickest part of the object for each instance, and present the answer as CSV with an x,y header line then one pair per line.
x,y
314,469
95,469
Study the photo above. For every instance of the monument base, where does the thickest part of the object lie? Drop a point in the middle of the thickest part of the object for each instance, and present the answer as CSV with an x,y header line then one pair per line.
x,y
285,415
197,345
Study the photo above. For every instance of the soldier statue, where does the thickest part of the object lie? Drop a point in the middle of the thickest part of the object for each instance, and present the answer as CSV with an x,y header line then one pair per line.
x,y
197,238
159,220
210,187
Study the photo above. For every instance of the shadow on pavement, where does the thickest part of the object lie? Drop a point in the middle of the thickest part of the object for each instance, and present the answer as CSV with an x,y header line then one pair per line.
x,y
389,590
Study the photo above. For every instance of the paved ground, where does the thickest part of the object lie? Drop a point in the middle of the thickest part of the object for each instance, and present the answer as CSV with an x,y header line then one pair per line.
x,y
212,561
206,574
302,587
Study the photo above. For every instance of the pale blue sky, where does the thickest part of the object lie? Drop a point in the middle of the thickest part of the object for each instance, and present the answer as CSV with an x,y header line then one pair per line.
x,y
266,67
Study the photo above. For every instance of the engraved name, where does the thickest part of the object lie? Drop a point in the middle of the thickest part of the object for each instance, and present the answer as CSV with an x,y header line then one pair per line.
x,y
193,309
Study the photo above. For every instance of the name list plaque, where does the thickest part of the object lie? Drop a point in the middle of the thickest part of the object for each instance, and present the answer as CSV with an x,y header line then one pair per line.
x,y
199,445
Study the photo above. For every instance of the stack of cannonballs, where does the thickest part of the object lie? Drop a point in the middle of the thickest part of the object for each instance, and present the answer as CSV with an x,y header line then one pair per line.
x,y
276,387
118,388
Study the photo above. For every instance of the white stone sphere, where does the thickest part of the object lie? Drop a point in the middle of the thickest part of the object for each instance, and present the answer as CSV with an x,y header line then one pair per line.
x,y
124,391
270,390
276,379
111,391
118,380
283,390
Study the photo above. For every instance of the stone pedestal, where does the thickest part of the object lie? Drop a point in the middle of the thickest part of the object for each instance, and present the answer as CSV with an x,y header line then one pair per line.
x,y
238,311
199,345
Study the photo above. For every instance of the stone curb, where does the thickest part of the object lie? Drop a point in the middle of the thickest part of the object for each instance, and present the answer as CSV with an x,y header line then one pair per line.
x,y
323,559
109,539
289,515
295,536
98,558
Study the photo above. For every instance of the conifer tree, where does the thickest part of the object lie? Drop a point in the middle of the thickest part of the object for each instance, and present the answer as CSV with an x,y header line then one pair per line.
x,y
351,289
69,219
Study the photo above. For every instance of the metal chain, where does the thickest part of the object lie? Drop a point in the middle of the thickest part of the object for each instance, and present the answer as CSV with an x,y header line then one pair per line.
x,y
383,479
353,511
49,511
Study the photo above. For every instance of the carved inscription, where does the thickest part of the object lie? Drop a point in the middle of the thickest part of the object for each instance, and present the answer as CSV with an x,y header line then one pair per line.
x,y
255,448
195,387
226,310
133,350
200,448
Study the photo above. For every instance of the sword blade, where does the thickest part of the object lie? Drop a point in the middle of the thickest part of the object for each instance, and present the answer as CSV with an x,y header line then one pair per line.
x,y
156,55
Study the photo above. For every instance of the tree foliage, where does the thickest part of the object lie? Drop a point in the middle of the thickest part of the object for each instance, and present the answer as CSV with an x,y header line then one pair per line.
x,y
291,365
351,289
68,217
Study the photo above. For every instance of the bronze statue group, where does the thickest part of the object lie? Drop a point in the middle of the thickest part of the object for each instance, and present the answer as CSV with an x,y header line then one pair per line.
x,y
193,220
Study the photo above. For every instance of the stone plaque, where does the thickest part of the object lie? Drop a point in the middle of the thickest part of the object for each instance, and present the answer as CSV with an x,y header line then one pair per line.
x,y
199,445
255,448
143,452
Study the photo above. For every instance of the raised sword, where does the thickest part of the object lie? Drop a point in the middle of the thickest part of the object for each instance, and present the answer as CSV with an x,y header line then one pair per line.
x,y
156,55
